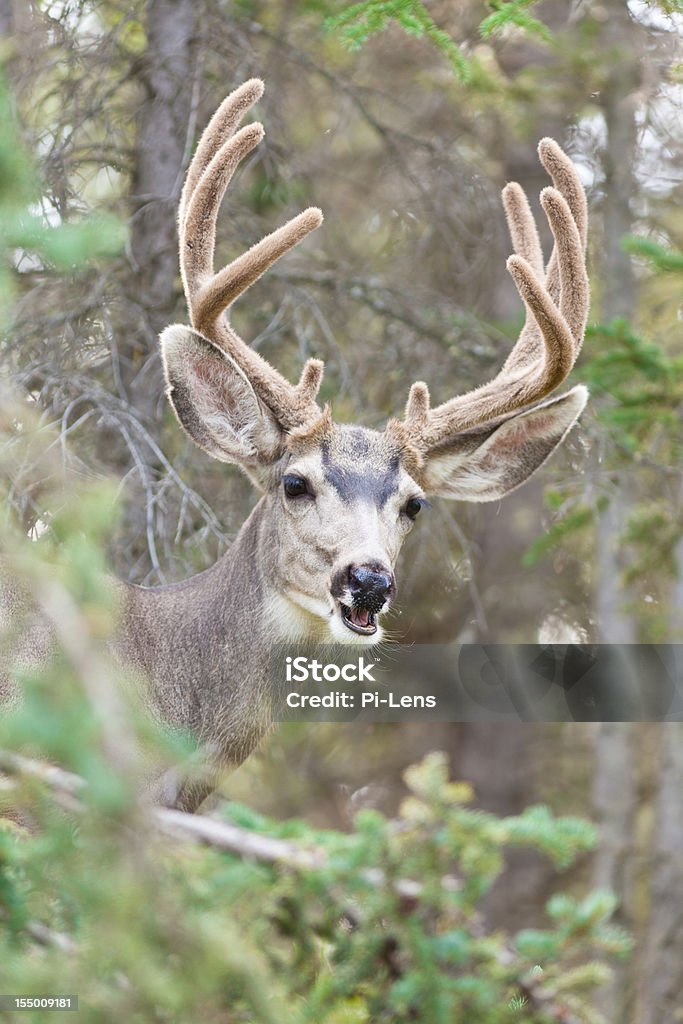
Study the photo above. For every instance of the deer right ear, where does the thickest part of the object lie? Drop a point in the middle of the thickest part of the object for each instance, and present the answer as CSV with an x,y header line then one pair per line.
x,y
215,403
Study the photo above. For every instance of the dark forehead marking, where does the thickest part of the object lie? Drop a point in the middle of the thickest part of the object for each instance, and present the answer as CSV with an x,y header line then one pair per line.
x,y
357,473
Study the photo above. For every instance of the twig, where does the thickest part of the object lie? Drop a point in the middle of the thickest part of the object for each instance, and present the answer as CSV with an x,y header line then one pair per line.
x,y
45,936
234,839
66,785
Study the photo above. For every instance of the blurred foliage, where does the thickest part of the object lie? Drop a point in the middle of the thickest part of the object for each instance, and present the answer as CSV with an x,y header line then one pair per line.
x,y
642,383
383,924
23,229
508,13
668,6
660,257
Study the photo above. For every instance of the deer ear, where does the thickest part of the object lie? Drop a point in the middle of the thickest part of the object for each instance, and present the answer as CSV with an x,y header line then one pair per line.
x,y
484,464
215,403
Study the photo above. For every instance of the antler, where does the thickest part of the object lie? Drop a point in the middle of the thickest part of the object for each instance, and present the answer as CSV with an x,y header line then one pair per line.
x,y
209,294
556,303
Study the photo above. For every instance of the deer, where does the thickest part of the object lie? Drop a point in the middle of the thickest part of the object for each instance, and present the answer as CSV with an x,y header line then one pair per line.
x,y
315,560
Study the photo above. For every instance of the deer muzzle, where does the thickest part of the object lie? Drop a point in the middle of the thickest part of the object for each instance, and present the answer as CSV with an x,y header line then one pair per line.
x,y
363,591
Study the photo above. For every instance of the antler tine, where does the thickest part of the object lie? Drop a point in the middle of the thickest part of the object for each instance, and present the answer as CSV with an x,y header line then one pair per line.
x,y
198,230
234,279
523,234
522,226
567,182
526,243
570,282
220,128
220,150
570,260
551,338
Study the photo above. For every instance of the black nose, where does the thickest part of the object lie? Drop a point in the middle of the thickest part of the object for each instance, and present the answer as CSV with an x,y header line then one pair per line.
x,y
370,586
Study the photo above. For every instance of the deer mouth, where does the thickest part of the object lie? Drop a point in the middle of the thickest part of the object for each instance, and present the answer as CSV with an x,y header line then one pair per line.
x,y
359,620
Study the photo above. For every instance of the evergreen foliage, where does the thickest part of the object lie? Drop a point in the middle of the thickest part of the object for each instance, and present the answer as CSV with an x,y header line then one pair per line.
x,y
359,22
23,228
382,924
508,13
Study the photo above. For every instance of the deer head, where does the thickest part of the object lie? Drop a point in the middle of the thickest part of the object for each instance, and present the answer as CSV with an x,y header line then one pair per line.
x,y
340,499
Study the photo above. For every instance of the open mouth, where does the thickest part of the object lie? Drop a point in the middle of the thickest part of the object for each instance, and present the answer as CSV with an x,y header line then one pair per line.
x,y
360,620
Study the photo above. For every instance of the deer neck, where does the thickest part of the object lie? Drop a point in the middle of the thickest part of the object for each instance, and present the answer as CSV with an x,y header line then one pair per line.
x,y
203,646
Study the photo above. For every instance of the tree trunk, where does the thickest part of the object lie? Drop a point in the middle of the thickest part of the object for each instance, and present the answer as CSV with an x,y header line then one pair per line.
x,y
167,77
676,599
661,984
660,992
618,101
616,775
6,18
615,799
163,140
614,625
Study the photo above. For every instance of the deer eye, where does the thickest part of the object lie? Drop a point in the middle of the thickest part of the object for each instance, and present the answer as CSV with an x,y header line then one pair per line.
x,y
413,506
295,486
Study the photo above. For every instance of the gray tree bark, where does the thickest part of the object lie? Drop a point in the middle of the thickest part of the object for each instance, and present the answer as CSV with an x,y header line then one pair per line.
x,y
167,77
615,626
615,790
676,600
618,100
660,996
660,992
616,775
163,141
6,18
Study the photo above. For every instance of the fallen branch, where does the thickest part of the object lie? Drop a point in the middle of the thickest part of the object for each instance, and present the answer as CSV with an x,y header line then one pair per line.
x,y
237,840
245,843
48,937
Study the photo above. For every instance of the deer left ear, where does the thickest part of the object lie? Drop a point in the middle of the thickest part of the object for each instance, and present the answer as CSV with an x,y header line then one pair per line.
x,y
484,464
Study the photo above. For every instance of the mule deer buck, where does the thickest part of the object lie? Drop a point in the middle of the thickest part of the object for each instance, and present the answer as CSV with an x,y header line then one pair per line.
x,y
315,559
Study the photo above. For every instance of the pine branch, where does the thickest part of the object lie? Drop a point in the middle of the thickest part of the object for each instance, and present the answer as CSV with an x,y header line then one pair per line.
x,y
361,21
243,842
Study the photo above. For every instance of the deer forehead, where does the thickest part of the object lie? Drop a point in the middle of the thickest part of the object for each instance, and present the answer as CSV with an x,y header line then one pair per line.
x,y
356,464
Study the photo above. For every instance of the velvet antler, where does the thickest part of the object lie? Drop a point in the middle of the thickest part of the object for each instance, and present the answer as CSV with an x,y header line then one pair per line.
x,y
556,302
209,294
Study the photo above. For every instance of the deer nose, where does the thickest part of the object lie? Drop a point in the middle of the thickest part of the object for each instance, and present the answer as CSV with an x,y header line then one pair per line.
x,y
371,586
